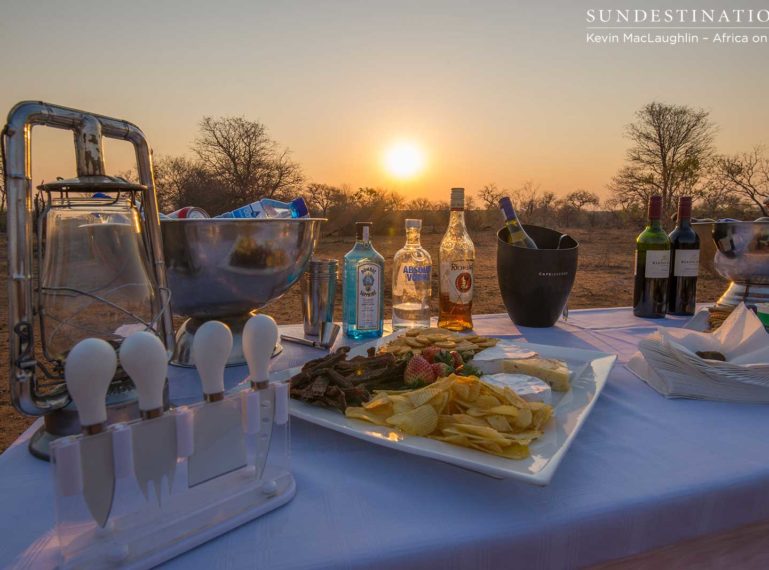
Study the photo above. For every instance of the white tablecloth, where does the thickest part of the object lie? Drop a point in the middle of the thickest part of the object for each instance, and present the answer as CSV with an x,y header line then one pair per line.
x,y
643,472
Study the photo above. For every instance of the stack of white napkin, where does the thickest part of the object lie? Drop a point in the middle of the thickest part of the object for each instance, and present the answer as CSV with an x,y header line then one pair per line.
x,y
668,362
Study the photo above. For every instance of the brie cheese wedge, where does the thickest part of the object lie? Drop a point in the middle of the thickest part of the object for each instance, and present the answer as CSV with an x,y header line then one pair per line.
x,y
510,358
527,387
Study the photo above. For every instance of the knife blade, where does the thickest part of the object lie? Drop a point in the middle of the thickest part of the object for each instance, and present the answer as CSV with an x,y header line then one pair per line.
x,y
218,442
88,371
259,337
145,360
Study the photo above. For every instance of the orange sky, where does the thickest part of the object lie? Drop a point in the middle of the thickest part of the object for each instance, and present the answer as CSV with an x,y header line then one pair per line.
x,y
498,92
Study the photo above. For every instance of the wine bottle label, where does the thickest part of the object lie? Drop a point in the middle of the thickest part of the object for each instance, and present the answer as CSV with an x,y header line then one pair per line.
x,y
657,263
367,314
457,278
686,263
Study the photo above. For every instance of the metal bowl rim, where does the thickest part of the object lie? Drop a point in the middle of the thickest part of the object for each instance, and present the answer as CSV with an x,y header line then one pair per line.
x,y
243,220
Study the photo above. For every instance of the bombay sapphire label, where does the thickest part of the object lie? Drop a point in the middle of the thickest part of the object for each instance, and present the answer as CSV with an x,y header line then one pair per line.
x,y
367,314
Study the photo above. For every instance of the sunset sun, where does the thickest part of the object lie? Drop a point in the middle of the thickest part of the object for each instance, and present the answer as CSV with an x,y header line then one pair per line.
x,y
404,160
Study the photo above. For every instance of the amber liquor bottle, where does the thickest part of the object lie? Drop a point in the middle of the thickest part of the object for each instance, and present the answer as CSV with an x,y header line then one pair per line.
x,y
456,259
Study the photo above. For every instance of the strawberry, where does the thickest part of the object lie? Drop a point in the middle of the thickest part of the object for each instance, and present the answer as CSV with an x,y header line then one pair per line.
x,y
456,358
441,370
418,372
431,352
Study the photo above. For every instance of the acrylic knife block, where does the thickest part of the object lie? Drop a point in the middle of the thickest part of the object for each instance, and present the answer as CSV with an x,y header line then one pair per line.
x,y
141,533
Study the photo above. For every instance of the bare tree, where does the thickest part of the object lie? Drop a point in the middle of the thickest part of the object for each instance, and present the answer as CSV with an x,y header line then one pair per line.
x,y
547,201
745,175
525,198
323,197
490,196
171,175
282,180
581,198
672,145
183,182
420,205
241,154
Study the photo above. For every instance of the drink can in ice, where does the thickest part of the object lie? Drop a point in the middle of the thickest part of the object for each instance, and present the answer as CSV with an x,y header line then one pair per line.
x,y
188,213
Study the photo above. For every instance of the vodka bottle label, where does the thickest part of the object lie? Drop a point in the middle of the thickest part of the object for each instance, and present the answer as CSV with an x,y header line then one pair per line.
x,y
367,314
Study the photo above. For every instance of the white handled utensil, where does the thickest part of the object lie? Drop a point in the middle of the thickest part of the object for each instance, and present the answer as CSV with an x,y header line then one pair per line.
x,y
211,348
88,371
218,442
259,337
144,357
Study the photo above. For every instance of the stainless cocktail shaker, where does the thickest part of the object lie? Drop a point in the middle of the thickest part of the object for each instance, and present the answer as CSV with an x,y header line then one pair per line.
x,y
318,291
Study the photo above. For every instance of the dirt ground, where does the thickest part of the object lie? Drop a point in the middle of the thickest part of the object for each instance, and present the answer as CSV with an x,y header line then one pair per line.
x,y
604,279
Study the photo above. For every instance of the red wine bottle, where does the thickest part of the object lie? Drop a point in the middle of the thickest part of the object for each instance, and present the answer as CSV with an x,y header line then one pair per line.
x,y
652,266
685,254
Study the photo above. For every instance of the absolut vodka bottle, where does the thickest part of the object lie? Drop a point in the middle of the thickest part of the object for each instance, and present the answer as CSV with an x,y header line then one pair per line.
x,y
363,293
412,272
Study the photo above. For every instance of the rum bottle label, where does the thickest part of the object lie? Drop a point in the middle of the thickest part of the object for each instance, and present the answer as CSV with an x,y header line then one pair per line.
x,y
458,281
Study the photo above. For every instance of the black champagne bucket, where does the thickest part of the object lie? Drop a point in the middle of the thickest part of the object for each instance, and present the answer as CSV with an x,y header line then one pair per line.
x,y
535,283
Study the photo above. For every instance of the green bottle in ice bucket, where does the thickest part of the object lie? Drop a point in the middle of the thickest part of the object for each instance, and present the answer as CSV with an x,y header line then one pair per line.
x,y
516,235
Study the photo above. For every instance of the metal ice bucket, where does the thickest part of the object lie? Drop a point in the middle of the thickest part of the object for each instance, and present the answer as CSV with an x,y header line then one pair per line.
x,y
742,257
224,269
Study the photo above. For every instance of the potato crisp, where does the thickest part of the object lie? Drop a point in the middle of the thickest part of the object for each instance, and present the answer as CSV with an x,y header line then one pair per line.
x,y
461,410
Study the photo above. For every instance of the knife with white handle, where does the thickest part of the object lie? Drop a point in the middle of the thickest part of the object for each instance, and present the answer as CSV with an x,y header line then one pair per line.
x,y
259,337
88,371
144,358
218,442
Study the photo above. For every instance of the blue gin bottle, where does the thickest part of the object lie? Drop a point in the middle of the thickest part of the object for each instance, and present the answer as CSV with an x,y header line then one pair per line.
x,y
363,293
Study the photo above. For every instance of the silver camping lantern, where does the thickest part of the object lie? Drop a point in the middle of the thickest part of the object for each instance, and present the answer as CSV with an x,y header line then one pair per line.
x,y
85,259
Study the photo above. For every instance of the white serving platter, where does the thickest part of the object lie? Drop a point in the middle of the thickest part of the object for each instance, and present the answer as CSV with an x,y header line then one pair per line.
x,y
590,370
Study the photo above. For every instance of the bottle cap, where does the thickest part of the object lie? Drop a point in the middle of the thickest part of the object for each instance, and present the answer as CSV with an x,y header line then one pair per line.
x,y
457,198
362,230
684,207
655,207
413,223
300,208
506,205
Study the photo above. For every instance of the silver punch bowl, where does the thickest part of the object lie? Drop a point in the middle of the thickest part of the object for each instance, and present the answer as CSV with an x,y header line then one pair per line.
x,y
225,269
741,256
